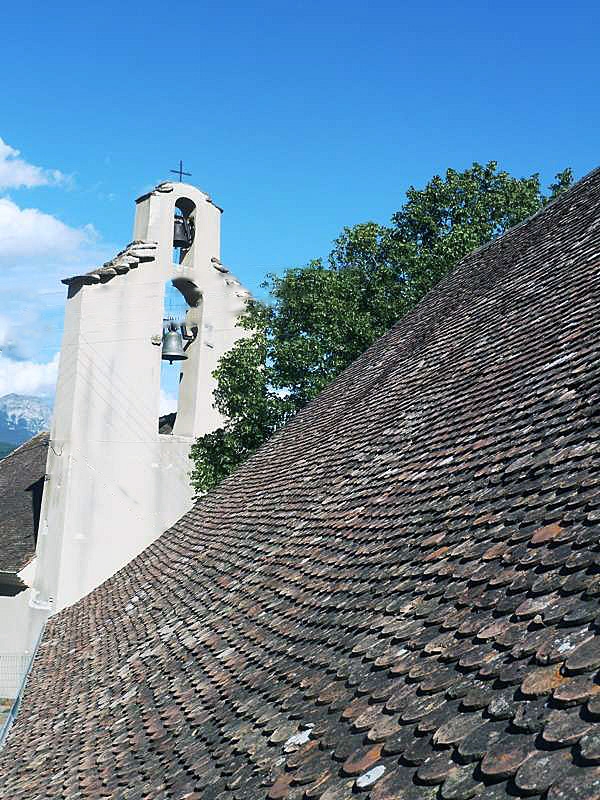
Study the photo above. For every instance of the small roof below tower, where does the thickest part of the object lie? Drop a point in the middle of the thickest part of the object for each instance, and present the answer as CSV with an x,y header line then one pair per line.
x,y
21,487
129,258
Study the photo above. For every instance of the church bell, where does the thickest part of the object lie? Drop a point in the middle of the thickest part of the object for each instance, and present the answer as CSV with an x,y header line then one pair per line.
x,y
172,346
182,233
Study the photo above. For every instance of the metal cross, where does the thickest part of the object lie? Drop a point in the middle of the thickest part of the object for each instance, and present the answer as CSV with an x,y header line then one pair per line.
x,y
180,171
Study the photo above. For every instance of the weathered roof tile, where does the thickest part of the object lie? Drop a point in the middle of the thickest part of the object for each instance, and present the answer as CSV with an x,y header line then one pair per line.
x,y
131,257
21,486
397,596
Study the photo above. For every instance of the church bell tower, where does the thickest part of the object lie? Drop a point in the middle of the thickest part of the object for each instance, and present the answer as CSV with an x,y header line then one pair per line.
x,y
114,481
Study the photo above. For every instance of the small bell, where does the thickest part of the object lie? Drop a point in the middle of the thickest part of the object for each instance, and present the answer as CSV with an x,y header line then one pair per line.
x,y
182,234
172,347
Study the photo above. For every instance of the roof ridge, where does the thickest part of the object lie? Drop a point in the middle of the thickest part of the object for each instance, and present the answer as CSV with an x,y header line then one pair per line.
x,y
513,228
470,261
29,443
500,240
130,257
422,320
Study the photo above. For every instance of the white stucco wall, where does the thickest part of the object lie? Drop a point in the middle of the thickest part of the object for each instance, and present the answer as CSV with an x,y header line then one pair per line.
x,y
20,626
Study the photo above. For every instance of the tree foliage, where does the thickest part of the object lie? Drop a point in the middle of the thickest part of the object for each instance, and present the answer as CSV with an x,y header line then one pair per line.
x,y
322,316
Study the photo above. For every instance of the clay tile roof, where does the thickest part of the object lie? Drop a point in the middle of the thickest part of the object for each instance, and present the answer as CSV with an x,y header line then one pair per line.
x,y
397,595
131,257
21,485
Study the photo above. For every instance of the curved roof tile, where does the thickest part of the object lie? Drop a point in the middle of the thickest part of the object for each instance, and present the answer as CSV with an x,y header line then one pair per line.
x,y
131,257
21,485
397,595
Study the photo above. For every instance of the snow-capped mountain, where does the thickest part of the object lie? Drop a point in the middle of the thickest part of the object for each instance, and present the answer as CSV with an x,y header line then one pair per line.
x,y
21,417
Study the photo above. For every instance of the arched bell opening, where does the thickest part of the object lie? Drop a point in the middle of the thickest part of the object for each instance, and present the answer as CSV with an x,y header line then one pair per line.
x,y
189,290
181,324
184,229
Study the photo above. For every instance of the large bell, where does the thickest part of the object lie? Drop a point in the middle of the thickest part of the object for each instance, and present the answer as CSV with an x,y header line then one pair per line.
x,y
182,234
172,346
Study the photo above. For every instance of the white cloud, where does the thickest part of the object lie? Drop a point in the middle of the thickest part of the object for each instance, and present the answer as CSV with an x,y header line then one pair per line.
x,y
27,233
4,329
17,173
168,402
27,377
23,376
37,250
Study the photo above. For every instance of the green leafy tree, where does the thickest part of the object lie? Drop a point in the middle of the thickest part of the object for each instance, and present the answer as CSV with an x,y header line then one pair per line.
x,y
322,316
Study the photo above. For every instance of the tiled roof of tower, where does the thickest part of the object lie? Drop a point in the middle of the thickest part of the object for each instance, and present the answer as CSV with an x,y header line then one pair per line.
x,y
397,595
21,486
131,257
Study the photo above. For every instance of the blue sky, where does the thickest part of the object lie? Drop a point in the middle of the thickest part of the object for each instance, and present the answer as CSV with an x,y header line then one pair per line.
x,y
297,117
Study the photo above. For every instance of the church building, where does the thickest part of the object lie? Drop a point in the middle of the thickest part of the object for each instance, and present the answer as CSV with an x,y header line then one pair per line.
x,y
113,474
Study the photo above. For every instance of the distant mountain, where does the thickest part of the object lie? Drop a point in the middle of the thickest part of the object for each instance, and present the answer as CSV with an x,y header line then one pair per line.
x,y
21,417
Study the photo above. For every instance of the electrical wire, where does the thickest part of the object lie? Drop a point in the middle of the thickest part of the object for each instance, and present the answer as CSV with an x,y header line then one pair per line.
x,y
128,423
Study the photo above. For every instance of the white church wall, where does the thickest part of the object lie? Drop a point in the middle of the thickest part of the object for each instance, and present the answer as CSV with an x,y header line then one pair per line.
x,y
14,643
20,626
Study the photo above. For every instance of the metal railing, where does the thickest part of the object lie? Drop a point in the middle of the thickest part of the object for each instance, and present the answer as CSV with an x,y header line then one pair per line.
x,y
7,724
13,667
